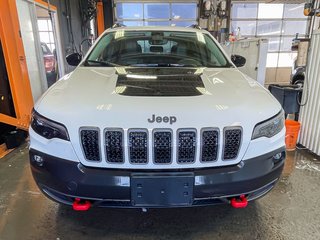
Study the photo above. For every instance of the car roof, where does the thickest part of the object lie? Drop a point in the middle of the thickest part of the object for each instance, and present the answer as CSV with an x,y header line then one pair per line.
x,y
156,28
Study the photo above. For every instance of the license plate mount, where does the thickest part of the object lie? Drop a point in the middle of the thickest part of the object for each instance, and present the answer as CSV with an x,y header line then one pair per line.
x,y
162,190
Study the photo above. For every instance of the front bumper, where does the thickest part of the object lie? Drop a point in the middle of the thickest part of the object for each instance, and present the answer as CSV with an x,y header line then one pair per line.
x,y
63,181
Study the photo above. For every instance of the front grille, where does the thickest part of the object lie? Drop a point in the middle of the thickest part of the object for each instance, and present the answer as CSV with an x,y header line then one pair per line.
x,y
138,147
114,146
162,147
186,146
209,145
232,141
90,144
166,147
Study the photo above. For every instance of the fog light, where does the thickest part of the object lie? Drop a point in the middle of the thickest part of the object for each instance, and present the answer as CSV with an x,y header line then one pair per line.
x,y
277,156
38,160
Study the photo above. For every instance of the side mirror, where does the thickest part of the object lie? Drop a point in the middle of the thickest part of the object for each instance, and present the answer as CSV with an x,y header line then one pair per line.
x,y
74,59
238,60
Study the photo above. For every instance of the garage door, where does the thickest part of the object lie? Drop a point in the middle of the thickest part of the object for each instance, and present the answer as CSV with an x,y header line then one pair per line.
x,y
149,13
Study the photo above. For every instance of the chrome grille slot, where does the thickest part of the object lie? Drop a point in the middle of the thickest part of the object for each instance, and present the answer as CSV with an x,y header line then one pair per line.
x,y
90,144
232,142
162,146
138,146
114,146
209,145
186,146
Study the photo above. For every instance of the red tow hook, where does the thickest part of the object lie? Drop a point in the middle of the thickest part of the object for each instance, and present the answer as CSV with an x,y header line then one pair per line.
x,y
81,206
241,202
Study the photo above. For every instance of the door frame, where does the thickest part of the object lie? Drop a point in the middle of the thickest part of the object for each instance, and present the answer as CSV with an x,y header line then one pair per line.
x,y
16,66
56,33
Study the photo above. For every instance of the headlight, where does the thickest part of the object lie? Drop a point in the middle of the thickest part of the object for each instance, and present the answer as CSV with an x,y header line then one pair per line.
x,y
270,127
48,128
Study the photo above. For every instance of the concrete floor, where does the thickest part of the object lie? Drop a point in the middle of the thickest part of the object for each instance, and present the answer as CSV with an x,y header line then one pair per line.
x,y
290,211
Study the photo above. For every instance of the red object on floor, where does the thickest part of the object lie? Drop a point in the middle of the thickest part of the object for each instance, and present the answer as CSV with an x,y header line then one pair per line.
x,y
81,206
241,202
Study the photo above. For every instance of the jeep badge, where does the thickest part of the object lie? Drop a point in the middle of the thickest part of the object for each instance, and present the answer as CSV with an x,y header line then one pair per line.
x,y
165,119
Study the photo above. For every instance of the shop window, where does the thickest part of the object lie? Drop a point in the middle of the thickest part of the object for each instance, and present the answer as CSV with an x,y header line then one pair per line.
x,y
129,10
274,43
294,27
267,11
184,11
247,28
46,33
244,10
157,14
156,11
294,11
267,28
279,23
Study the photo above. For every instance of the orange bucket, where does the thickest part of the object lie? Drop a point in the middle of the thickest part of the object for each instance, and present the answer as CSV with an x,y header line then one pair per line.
x,y
292,132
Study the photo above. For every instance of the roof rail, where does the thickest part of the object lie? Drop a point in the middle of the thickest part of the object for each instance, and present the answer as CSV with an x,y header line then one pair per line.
x,y
196,26
117,25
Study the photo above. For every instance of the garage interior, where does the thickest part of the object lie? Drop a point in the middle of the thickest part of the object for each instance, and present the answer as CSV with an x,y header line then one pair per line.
x,y
280,40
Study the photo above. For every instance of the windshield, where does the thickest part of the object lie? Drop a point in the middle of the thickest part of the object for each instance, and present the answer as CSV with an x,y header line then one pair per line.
x,y
157,49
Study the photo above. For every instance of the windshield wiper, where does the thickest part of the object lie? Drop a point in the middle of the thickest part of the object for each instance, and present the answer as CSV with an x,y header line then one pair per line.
x,y
221,66
101,63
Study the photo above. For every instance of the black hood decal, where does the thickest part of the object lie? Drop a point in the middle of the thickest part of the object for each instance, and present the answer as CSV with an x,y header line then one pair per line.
x,y
166,82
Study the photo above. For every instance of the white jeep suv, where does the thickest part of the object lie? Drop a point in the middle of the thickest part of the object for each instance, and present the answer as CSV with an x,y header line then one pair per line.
x,y
156,117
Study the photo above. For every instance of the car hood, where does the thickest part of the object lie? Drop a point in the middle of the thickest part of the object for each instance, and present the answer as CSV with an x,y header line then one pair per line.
x,y
89,95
